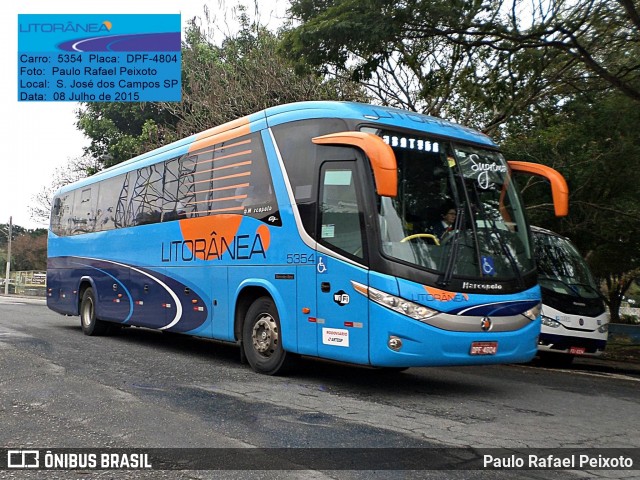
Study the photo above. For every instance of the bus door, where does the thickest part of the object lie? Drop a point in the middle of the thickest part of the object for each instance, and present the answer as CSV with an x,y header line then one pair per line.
x,y
342,314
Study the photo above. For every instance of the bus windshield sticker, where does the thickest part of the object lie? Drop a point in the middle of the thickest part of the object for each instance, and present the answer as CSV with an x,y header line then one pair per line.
x,y
488,266
328,231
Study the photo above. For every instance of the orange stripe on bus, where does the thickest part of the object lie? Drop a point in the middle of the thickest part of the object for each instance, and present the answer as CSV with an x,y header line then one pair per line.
x,y
222,147
239,164
239,185
231,155
236,197
235,175
221,133
229,209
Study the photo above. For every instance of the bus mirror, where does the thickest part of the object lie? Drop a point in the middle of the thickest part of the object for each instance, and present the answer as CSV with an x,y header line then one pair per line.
x,y
559,188
381,156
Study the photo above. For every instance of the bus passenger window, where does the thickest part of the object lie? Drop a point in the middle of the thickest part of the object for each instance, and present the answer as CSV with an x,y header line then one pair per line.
x,y
340,212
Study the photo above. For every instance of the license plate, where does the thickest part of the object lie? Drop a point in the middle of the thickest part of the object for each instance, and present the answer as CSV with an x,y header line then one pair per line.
x,y
484,348
577,350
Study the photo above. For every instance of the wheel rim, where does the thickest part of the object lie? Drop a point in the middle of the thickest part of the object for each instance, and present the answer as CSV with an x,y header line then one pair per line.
x,y
87,311
265,335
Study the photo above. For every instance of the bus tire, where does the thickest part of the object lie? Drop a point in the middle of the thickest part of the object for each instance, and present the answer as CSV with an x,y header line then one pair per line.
x,y
90,324
262,338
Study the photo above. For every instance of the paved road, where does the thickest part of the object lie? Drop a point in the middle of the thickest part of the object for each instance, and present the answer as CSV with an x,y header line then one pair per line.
x,y
141,388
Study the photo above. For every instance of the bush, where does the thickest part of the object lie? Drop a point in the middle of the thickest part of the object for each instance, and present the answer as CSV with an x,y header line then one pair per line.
x,y
629,319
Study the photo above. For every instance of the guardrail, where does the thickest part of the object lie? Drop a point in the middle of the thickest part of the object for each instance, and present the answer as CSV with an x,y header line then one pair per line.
x,y
27,282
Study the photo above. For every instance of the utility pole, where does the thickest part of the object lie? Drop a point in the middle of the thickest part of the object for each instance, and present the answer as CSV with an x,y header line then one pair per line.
x,y
6,281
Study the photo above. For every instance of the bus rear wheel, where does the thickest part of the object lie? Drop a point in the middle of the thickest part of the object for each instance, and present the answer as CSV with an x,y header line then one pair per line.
x,y
90,324
262,338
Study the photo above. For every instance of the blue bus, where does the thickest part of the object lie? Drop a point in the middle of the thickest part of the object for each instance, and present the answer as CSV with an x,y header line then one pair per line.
x,y
309,229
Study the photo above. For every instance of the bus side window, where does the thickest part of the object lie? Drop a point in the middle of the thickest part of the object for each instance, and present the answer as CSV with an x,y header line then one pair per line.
x,y
61,215
112,194
173,198
145,203
84,210
340,212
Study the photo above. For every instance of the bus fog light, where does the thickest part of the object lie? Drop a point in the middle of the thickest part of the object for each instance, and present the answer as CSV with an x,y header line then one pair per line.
x,y
394,343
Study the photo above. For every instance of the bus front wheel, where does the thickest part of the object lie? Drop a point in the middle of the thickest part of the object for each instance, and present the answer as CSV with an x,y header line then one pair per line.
x,y
262,337
90,324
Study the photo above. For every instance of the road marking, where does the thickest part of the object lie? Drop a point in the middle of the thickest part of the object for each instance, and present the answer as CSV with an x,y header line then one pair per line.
x,y
617,376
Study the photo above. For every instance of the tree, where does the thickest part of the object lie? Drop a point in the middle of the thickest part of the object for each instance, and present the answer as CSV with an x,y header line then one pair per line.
x,y
475,62
120,131
594,142
29,251
75,169
396,51
596,34
242,75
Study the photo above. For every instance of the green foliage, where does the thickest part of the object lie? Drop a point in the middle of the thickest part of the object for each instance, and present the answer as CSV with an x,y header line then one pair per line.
x,y
594,142
430,56
28,249
119,131
4,232
476,62
242,75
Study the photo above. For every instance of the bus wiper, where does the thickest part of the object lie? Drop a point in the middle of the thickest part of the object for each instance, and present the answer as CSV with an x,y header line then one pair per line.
x,y
454,244
587,286
495,233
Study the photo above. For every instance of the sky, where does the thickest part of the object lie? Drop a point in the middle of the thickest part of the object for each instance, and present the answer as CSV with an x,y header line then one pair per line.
x,y
38,137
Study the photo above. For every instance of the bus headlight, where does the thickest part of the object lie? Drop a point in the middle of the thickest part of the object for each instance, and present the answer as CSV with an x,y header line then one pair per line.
x,y
533,312
397,304
603,328
550,322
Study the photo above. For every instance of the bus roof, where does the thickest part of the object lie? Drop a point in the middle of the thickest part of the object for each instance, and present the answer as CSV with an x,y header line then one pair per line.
x,y
374,114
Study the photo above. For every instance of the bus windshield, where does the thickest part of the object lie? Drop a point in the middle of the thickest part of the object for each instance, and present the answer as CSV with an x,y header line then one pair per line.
x,y
561,268
457,211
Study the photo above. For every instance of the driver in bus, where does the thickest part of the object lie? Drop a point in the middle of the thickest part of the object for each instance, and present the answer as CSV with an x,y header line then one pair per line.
x,y
445,224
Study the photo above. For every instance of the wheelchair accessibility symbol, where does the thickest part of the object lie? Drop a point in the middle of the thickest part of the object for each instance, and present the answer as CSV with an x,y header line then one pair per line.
x,y
320,266
488,267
